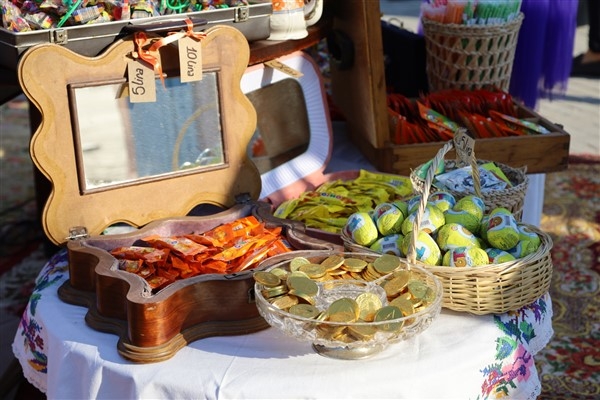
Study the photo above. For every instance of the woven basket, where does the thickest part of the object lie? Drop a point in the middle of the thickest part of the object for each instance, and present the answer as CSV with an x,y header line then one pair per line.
x,y
484,289
469,57
488,289
511,198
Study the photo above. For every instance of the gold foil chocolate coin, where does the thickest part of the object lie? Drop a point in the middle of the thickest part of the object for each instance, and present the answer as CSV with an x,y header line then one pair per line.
x,y
332,262
418,289
297,274
296,262
284,302
302,285
386,263
314,271
343,310
267,279
303,297
275,291
429,295
404,305
362,332
396,285
388,313
304,310
354,264
370,273
368,304
280,272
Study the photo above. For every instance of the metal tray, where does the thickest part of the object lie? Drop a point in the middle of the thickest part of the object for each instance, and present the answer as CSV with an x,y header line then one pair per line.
x,y
91,40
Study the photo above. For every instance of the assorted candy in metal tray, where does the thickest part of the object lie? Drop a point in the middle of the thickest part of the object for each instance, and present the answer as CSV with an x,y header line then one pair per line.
x,y
28,15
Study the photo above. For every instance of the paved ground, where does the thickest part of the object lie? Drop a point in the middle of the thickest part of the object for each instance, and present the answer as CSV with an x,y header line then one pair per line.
x,y
578,112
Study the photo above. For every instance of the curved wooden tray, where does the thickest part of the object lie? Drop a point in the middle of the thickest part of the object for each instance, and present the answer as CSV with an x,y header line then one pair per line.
x,y
153,327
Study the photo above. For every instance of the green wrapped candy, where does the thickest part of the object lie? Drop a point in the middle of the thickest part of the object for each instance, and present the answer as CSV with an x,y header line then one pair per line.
x,y
388,219
502,230
361,228
426,249
391,244
454,235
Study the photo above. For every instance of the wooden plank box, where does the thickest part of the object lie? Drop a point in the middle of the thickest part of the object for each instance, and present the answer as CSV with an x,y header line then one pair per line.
x,y
538,153
218,184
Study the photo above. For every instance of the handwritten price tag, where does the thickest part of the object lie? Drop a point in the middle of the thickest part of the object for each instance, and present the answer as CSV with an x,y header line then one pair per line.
x,y
190,59
142,82
278,65
464,145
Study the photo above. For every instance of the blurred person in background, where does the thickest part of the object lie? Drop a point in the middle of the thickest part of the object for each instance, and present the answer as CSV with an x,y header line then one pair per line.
x,y
588,63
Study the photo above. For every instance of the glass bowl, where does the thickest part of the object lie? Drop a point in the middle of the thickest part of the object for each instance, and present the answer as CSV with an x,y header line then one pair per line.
x,y
325,311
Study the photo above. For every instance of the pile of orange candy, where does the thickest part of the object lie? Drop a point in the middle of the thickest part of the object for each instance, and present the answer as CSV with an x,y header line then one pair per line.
x,y
226,249
436,116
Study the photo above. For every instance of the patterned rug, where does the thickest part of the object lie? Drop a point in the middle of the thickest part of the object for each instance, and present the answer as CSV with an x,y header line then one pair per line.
x,y
21,249
22,252
570,365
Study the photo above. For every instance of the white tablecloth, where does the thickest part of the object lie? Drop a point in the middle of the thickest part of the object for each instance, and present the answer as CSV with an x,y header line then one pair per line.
x,y
460,356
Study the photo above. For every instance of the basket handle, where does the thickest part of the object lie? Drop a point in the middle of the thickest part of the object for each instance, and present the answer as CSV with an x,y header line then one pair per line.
x,y
465,152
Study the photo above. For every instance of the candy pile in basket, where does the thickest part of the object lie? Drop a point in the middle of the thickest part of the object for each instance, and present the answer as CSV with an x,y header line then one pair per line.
x,y
349,305
434,117
496,183
488,261
45,15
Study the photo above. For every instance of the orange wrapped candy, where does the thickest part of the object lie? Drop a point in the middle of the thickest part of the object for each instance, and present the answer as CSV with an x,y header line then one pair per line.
x,y
226,249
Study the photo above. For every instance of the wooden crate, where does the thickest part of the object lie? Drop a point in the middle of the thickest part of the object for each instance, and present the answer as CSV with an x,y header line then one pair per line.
x,y
538,153
363,103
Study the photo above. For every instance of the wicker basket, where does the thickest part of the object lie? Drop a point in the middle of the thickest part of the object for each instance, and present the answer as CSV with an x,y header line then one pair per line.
x,y
484,289
511,198
492,288
469,57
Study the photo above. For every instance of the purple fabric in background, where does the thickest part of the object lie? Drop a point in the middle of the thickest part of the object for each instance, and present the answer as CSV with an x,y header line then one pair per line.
x,y
544,50
560,41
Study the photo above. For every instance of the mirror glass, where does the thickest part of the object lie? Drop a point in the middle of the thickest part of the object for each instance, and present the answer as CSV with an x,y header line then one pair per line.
x,y
120,142
282,131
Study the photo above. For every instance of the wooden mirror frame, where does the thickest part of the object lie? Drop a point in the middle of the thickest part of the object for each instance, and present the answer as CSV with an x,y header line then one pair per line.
x,y
45,72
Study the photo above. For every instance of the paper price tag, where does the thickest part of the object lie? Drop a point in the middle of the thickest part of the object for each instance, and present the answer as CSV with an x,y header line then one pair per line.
x,y
464,145
190,59
141,81
278,65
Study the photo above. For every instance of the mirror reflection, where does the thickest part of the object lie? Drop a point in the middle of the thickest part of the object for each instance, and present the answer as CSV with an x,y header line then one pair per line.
x,y
283,130
121,142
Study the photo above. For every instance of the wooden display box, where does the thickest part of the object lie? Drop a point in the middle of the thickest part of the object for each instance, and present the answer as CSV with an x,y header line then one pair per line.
x,y
538,153
205,179
358,91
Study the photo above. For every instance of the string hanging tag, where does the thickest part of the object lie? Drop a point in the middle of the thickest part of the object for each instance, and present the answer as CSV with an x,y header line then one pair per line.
x,y
190,54
141,72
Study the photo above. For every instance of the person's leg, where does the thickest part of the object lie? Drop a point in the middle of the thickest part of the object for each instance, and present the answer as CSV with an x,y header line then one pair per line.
x,y
594,22
588,63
